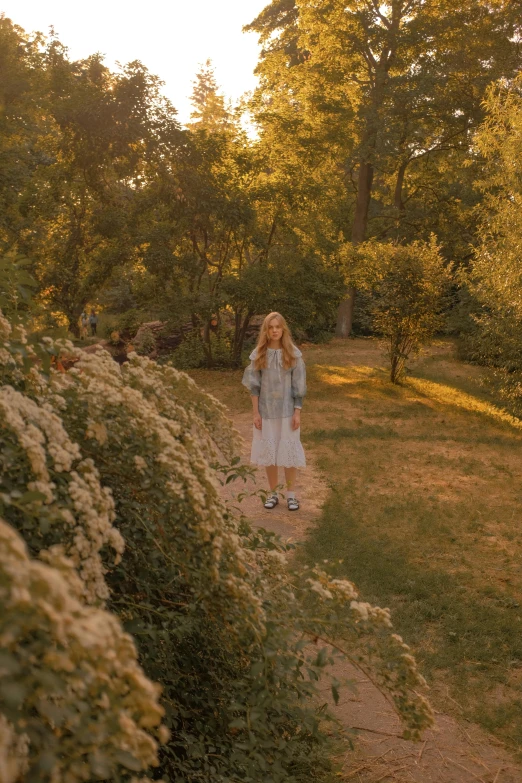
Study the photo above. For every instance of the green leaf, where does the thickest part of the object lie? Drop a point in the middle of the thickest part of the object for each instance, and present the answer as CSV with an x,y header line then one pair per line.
x,y
13,693
31,497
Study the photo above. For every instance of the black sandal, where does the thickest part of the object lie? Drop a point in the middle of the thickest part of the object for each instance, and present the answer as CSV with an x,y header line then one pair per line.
x,y
271,502
293,504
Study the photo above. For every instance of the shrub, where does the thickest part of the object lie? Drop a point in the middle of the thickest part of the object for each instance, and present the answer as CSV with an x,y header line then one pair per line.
x,y
145,341
408,283
74,704
190,353
235,639
129,322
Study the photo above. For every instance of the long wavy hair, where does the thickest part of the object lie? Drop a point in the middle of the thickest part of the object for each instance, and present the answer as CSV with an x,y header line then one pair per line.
x,y
263,340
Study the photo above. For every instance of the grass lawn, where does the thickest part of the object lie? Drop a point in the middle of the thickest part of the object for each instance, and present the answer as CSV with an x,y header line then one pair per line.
x,y
424,514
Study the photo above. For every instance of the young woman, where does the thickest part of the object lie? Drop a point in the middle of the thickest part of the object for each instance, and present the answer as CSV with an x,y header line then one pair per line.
x,y
276,380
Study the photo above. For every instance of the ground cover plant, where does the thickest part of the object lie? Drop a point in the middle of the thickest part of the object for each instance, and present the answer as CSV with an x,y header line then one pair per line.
x,y
424,514
110,474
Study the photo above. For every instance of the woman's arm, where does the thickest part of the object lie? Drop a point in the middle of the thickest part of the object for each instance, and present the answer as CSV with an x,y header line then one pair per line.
x,y
255,409
298,391
252,381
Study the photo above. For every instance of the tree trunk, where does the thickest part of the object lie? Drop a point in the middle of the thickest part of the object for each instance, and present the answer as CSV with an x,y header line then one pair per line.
x,y
398,203
73,319
345,314
241,326
207,345
360,221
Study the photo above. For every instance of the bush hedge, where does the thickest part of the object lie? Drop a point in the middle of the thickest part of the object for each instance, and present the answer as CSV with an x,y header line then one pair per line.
x,y
115,470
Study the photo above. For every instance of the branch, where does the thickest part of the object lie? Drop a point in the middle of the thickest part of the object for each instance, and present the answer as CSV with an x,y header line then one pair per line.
x,y
384,19
357,665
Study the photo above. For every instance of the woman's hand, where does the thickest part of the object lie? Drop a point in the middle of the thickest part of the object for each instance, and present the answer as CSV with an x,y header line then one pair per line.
x,y
257,421
296,419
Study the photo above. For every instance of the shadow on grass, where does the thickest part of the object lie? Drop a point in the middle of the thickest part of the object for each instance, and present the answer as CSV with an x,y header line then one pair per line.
x,y
341,433
471,632
382,432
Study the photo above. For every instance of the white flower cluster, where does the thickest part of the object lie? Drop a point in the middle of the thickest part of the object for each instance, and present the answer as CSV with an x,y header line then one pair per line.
x,y
178,397
408,658
89,510
366,612
41,434
178,438
10,359
179,431
94,509
329,588
362,632
56,654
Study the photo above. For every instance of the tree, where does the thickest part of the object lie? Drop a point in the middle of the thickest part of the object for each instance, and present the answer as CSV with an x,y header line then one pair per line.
x,y
386,83
76,140
495,277
23,121
80,203
407,284
209,111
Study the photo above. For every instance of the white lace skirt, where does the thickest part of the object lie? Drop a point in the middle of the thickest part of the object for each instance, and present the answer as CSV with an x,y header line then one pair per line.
x,y
276,443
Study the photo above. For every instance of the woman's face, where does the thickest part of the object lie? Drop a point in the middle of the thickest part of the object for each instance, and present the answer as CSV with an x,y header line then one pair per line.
x,y
275,330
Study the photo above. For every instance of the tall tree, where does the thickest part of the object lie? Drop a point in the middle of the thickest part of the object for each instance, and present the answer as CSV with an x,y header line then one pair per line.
x,y
106,126
385,83
24,122
209,110
495,279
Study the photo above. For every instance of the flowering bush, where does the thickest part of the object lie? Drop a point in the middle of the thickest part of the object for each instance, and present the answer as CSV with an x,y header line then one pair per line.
x,y
97,455
74,703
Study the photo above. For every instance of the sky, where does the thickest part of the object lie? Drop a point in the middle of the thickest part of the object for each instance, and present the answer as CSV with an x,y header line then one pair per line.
x,y
170,38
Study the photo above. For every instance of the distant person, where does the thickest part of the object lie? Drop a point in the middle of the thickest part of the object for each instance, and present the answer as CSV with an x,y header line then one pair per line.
x,y
93,320
84,323
276,380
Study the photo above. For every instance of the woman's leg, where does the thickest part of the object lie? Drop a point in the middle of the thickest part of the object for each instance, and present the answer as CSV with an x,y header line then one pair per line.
x,y
290,477
271,474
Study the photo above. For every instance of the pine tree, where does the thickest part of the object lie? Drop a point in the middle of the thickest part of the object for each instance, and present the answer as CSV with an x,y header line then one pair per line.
x,y
210,112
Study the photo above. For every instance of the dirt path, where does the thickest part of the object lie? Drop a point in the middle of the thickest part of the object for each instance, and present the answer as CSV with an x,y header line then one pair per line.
x,y
452,752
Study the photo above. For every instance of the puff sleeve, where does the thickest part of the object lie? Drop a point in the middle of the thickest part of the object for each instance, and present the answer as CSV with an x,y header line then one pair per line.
x,y
252,377
298,381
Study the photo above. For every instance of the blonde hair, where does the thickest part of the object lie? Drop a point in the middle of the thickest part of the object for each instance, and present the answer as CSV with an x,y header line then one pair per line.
x,y
263,340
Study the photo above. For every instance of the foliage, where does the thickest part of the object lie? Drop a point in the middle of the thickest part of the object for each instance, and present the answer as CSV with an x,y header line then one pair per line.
x,y
364,128
74,703
190,353
145,342
109,454
16,285
366,93
495,279
209,111
407,284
